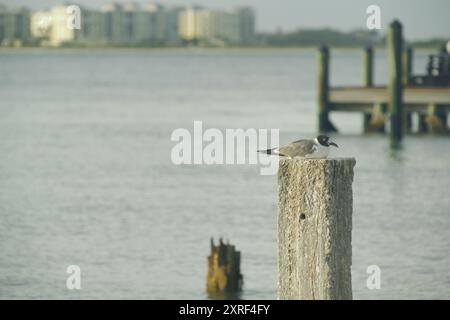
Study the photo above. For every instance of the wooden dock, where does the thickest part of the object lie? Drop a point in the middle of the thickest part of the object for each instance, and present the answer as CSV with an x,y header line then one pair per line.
x,y
415,99
426,95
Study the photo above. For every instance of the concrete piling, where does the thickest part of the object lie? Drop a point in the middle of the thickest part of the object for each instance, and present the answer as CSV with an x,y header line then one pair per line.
x,y
314,228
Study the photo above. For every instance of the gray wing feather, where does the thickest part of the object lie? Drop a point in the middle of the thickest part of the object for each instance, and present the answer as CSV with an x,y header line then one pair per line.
x,y
299,148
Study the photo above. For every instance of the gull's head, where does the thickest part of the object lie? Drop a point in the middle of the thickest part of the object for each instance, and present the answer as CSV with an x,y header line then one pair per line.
x,y
325,141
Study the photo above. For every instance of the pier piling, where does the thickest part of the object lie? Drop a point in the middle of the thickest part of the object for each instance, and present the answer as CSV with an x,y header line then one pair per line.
x,y
422,127
395,87
224,278
325,124
407,65
373,120
368,67
314,228
407,74
368,81
436,118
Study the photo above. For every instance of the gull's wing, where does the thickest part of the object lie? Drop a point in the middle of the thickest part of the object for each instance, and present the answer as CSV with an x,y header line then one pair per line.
x,y
299,148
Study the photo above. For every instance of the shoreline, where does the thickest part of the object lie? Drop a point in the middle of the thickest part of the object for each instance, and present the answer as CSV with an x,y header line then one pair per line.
x,y
193,49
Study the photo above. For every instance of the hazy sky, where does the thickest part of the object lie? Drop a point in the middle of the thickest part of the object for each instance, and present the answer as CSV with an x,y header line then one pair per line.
x,y
421,19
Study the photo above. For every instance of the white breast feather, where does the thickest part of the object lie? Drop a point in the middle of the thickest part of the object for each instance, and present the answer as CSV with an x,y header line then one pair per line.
x,y
319,152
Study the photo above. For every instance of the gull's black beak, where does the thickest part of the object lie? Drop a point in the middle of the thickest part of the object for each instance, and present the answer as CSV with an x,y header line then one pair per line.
x,y
333,144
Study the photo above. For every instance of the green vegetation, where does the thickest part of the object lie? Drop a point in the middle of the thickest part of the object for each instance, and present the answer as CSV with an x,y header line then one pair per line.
x,y
431,43
336,38
316,37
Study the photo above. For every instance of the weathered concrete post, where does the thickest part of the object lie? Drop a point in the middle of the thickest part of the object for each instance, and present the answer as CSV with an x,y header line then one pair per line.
x,y
315,228
394,47
325,124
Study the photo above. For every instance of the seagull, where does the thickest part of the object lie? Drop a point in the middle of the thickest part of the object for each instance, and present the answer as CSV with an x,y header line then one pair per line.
x,y
317,148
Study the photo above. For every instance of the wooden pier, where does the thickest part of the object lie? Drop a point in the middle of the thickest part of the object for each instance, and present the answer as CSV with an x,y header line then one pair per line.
x,y
427,95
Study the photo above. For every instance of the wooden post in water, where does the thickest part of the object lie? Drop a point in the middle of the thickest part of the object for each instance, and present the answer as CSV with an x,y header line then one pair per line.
x,y
371,119
224,276
315,228
408,56
394,48
368,66
422,117
407,73
368,81
423,126
436,118
407,65
325,124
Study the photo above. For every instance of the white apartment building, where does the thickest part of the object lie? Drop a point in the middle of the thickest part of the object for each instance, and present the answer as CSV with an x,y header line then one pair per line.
x,y
53,25
150,24
40,24
196,23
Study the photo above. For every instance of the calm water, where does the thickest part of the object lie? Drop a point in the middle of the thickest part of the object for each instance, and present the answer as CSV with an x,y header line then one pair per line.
x,y
86,176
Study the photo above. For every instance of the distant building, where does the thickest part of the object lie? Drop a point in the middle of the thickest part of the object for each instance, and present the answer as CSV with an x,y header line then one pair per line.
x,y
200,24
60,33
51,27
40,24
128,24
14,26
246,17
114,23
189,25
157,25
172,36
225,26
92,30
133,24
